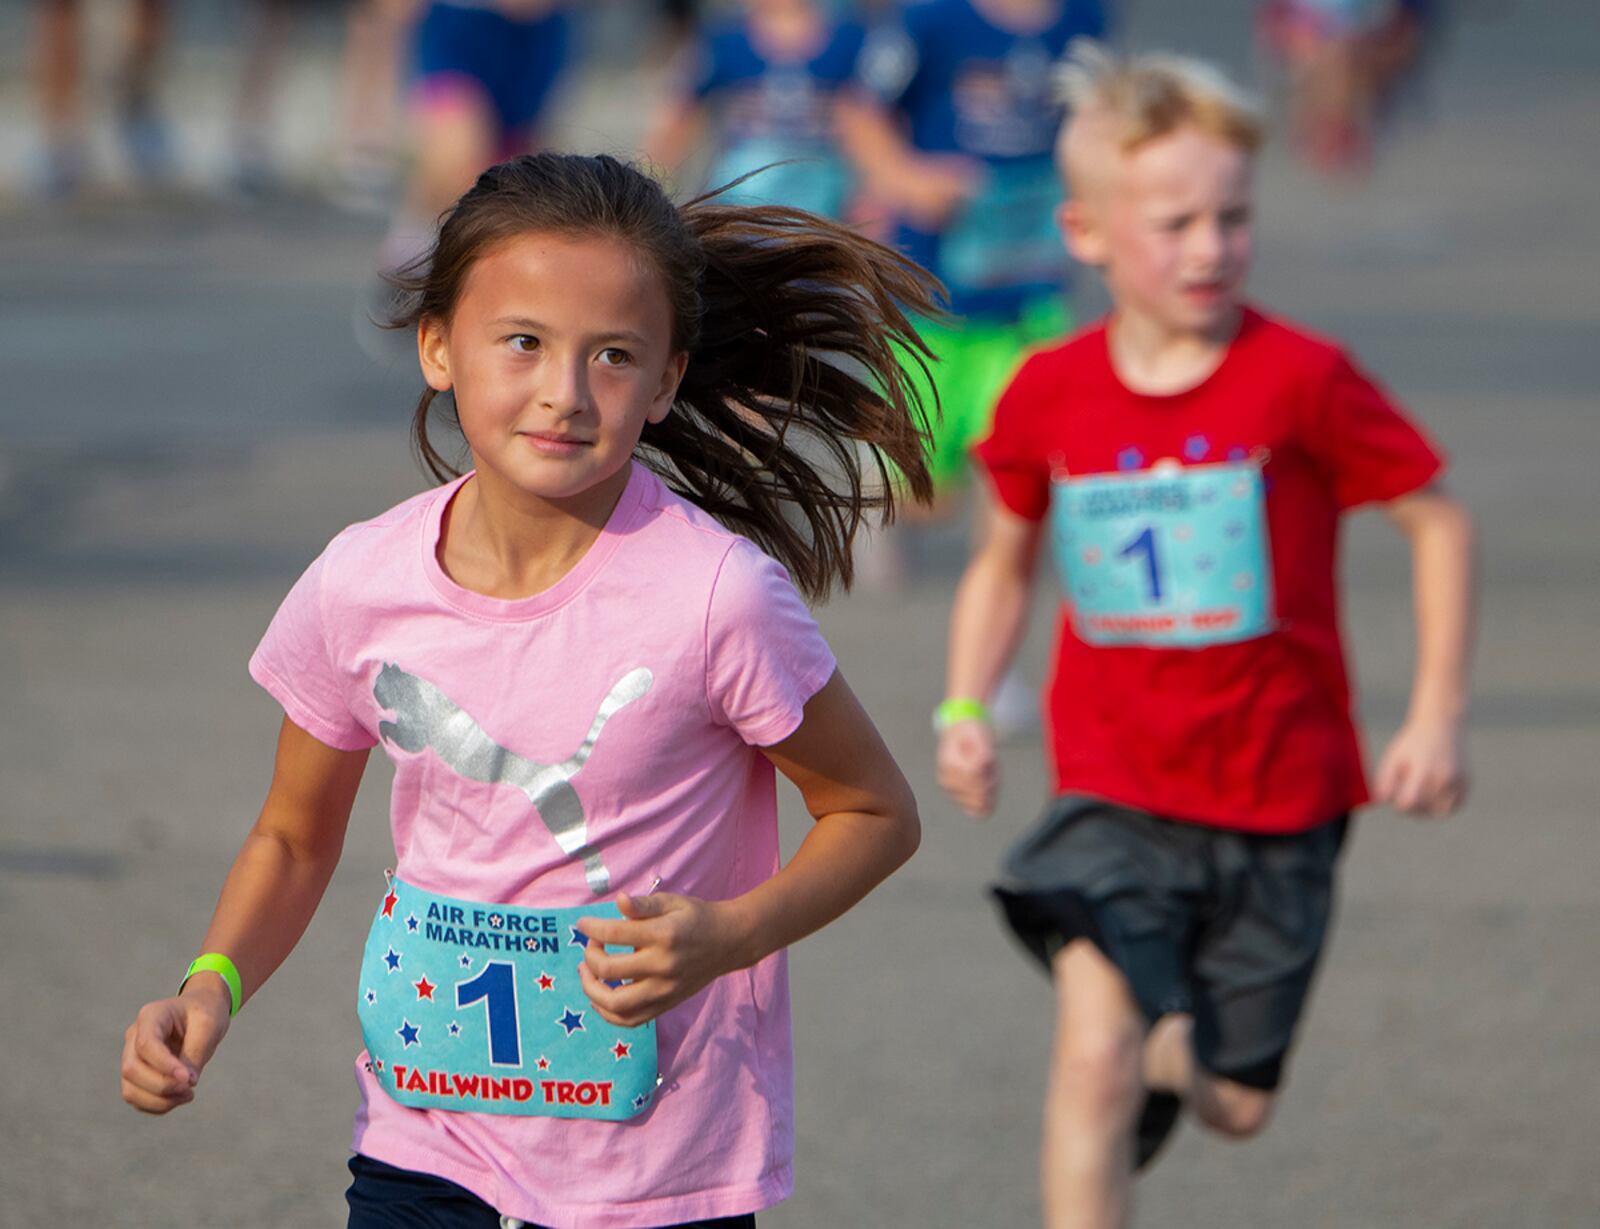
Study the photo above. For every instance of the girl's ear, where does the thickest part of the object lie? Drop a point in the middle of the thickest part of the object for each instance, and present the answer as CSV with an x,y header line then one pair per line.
x,y
1081,230
671,377
433,351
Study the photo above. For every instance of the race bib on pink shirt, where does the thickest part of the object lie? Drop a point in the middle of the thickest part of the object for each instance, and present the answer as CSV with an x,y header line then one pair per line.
x,y
472,1006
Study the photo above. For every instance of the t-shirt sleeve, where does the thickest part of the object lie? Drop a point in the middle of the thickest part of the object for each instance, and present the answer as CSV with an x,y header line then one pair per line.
x,y
1366,446
765,656
295,665
1017,467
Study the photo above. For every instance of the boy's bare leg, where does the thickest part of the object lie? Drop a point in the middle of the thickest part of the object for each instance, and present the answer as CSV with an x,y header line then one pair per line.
x,y
1226,1106
1096,1088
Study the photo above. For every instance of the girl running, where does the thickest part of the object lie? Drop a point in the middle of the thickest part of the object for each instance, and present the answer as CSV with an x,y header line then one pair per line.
x,y
585,657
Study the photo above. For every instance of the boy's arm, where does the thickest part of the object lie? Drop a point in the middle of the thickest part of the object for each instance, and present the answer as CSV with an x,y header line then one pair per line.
x,y
987,621
267,900
1423,771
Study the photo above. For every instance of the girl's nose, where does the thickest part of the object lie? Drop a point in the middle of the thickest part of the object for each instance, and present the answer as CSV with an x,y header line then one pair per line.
x,y
564,386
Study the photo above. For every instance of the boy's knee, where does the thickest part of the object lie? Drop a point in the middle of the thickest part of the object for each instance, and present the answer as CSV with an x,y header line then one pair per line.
x,y
1234,1110
1097,1064
1096,1072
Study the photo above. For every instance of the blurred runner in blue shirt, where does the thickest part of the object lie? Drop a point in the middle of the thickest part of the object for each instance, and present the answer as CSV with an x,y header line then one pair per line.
x,y
953,133
767,82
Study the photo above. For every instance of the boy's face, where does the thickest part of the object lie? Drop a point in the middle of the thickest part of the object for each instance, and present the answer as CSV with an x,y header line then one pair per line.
x,y
1169,226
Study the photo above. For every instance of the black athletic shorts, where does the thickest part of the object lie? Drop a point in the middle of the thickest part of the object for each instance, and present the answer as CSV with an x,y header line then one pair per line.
x,y
384,1197
1226,926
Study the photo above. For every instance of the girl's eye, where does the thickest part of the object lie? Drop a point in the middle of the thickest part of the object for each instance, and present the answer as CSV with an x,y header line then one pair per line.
x,y
524,343
613,357
1235,217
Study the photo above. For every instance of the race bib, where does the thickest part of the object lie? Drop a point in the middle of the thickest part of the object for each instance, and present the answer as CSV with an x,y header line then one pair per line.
x,y
1172,556
470,1006
1006,235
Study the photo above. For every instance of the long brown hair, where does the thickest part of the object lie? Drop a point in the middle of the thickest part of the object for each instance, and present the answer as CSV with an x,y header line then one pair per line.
x,y
796,417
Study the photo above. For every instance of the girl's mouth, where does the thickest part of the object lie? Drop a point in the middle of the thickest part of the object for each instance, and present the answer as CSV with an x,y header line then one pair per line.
x,y
552,444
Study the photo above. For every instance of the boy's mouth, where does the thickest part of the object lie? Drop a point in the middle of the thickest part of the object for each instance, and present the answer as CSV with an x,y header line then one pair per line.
x,y
1207,291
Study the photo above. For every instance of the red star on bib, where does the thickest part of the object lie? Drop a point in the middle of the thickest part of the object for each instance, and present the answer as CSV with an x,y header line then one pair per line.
x,y
543,1064
389,902
425,988
622,1049
546,982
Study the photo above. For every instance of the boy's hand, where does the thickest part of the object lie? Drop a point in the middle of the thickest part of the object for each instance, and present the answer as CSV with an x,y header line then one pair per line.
x,y
968,770
680,945
168,1044
1424,770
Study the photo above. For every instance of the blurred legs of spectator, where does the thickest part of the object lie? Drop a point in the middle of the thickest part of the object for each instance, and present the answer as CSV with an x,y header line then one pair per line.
x,y
374,65
1340,78
146,140
484,79
680,18
455,137
252,164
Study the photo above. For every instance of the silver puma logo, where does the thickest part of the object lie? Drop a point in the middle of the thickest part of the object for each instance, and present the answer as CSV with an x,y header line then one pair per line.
x,y
426,717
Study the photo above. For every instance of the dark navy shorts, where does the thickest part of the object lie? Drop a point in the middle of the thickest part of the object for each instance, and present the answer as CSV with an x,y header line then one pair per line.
x,y
514,63
383,1197
1226,926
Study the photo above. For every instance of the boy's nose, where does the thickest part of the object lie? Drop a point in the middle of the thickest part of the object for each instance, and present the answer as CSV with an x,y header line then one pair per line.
x,y
1206,242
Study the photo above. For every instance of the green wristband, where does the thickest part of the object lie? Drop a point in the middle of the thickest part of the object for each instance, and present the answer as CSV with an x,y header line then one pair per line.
x,y
216,962
958,708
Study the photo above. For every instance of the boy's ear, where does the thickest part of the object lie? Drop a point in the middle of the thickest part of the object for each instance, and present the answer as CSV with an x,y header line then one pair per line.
x,y
671,377
1081,231
433,352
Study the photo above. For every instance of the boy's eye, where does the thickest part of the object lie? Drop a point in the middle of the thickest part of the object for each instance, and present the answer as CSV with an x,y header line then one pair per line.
x,y
1235,217
613,357
523,343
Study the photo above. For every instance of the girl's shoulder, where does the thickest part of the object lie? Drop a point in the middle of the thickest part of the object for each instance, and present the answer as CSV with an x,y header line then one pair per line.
x,y
381,532
360,553
687,539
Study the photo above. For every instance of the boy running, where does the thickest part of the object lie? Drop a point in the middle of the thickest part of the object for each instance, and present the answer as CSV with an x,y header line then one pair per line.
x,y
1193,457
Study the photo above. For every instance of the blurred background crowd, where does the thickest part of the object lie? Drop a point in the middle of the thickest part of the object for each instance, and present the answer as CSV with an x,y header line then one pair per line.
x,y
340,97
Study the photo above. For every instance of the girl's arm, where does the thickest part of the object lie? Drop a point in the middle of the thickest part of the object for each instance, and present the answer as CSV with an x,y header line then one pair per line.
x,y
866,827
1424,771
987,621
266,903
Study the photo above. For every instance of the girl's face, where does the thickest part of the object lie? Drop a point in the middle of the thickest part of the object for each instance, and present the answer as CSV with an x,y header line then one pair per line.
x,y
559,350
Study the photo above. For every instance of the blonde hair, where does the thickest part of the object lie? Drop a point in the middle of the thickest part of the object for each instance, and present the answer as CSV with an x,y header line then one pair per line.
x,y
1143,97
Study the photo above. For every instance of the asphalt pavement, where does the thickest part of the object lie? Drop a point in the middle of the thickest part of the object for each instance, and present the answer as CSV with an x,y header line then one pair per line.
x,y
186,416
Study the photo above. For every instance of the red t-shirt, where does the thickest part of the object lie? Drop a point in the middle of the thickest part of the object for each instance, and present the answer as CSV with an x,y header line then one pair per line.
x,y
1254,735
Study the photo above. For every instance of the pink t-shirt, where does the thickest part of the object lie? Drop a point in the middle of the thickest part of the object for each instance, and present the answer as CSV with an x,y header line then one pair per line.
x,y
673,788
